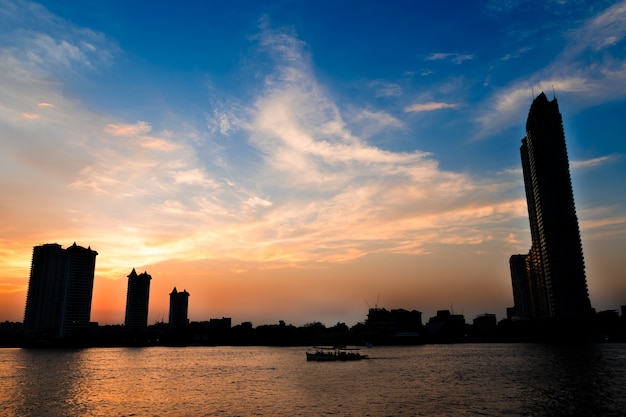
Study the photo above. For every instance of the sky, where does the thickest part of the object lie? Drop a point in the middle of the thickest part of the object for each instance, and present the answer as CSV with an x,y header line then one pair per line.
x,y
303,160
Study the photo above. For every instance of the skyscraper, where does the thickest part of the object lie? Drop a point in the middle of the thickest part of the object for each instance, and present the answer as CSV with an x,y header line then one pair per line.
x,y
44,299
58,302
137,296
179,304
555,265
521,291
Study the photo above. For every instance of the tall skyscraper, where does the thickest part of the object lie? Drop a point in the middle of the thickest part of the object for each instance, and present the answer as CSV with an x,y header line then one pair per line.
x,y
521,290
45,291
58,302
555,266
137,296
179,305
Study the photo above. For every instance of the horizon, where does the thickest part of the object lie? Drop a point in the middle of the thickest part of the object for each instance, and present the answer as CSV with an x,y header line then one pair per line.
x,y
297,161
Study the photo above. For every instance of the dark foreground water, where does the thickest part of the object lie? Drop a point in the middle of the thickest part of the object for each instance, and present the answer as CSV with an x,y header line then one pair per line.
x,y
432,380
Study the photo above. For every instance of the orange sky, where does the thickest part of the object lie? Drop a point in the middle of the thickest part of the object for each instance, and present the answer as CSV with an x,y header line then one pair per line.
x,y
472,279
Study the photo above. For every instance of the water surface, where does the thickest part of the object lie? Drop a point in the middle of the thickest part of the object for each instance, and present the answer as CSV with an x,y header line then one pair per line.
x,y
431,380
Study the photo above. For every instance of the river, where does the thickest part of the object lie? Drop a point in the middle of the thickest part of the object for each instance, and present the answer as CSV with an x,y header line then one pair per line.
x,y
429,380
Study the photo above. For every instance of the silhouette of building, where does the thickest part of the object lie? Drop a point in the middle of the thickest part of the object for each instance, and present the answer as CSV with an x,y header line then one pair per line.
x,y
137,297
179,305
58,302
396,326
446,327
485,325
521,291
45,290
223,323
555,269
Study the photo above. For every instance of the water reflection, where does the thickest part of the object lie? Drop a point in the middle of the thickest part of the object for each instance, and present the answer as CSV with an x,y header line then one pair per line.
x,y
44,385
577,380
460,380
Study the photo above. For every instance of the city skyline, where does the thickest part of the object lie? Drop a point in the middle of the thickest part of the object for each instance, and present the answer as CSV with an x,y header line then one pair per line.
x,y
299,161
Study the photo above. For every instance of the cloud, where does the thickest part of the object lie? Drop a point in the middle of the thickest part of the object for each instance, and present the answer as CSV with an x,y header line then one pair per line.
x,y
298,183
570,73
605,226
226,116
325,177
368,123
380,117
128,129
158,144
137,131
10,288
505,107
386,89
193,176
594,162
430,106
78,175
498,7
604,30
450,57
53,47
516,54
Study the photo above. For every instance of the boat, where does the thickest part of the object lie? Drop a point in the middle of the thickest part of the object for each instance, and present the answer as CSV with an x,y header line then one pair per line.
x,y
334,353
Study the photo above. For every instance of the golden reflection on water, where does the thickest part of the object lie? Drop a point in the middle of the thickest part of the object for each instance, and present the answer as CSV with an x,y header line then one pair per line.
x,y
42,385
496,380
151,381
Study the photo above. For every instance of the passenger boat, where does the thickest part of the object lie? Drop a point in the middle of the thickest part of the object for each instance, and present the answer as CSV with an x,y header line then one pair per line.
x,y
335,353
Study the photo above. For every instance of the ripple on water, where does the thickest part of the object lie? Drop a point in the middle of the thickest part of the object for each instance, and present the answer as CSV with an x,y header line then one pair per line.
x,y
431,380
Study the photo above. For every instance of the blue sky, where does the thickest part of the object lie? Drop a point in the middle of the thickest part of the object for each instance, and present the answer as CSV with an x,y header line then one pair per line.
x,y
242,149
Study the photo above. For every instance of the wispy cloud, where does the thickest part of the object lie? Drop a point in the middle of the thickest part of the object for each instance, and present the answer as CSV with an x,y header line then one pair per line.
x,y
570,73
455,58
430,106
10,288
311,188
500,6
505,108
128,129
139,131
386,89
594,162
603,228
604,30
516,54
369,122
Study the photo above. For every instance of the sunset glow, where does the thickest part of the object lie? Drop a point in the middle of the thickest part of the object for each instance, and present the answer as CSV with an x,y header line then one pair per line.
x,y
302,161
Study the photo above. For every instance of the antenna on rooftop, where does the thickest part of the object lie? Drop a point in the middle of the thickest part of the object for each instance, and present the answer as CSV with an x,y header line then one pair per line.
x,y
553,94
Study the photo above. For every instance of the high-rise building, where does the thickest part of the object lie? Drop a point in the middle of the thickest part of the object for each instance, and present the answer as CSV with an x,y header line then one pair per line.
x,y
555,266
45,291
179,305
58,302
519,265
137,296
